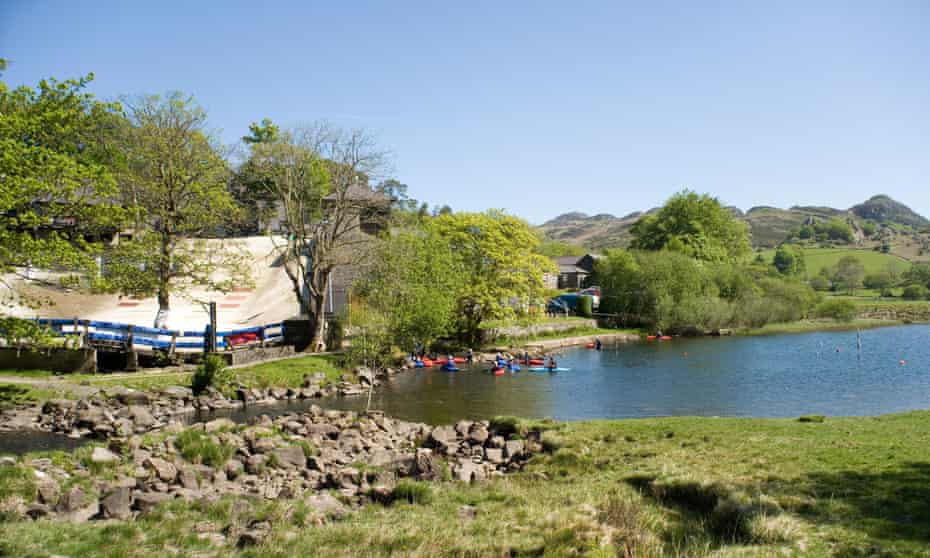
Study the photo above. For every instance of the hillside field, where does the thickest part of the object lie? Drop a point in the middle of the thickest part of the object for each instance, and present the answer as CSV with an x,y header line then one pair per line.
x,y
819,258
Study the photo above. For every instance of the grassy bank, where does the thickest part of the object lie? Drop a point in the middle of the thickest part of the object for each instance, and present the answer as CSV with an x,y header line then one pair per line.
x,y
843,487
807,326
521,340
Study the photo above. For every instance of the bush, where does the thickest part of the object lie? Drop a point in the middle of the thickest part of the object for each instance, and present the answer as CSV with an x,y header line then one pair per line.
x,y
200,448
412,492
841,310
820,284
210,372
915,292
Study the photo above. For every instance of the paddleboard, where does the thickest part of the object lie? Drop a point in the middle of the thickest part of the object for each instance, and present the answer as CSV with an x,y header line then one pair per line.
x,y
543,369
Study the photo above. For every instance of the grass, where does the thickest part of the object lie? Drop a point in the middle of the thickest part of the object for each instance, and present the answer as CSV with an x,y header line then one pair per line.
x,y
26,373
13,395
874,262
646,487
805,326
201,448
563,334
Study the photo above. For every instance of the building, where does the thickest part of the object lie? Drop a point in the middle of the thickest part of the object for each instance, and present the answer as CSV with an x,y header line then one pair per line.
x,y
574,270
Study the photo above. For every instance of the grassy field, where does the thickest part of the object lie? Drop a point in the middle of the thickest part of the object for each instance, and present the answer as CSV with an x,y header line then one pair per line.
x,y
874,262
827,324
839,487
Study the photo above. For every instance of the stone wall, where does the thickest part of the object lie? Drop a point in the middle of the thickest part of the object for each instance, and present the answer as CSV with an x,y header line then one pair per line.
x,y
256,354
54,359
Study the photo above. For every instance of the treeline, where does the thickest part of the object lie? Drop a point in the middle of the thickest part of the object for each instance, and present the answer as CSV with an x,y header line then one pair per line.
x,y
441,279
690,270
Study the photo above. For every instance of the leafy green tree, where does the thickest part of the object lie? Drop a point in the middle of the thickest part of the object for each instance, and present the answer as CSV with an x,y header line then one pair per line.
x,y
57,195
881,282
174,180
789,260
266,132
695,225
415,283
839,309
556,248
915,292
918,273
502,271
848,273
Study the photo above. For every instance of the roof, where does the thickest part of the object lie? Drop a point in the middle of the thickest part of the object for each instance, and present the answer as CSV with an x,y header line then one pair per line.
x,y
572,269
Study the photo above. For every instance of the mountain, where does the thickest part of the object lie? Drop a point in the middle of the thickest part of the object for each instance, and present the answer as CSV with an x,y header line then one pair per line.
x,y
769,225
883,209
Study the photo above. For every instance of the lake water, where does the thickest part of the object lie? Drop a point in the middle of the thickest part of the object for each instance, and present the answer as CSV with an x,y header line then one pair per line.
x,y
766,376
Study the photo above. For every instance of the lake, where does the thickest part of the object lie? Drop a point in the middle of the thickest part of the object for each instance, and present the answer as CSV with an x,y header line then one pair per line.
x,y
765,376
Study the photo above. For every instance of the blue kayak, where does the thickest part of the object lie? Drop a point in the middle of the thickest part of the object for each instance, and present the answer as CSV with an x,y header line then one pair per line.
x,y
544,369
514,367
449,368
418,364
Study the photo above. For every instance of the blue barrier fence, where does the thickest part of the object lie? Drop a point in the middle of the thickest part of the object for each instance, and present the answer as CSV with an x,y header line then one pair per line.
x,y
149,338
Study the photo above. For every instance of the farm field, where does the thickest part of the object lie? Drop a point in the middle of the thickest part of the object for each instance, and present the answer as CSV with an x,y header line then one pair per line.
x,y
819,258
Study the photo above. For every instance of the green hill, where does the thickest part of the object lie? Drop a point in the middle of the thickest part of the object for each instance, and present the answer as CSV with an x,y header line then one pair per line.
x,y
874,262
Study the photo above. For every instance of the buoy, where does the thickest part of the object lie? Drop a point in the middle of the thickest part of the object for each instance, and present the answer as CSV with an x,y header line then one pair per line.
x,y
903,362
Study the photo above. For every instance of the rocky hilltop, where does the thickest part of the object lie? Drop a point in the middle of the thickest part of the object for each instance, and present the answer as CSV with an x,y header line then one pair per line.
x,y
770,225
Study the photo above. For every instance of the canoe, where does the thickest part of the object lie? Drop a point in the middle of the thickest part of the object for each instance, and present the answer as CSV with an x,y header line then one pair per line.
x,y
498,371
544,369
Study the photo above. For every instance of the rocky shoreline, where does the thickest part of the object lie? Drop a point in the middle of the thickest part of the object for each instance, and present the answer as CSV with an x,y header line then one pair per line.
x,y
329,460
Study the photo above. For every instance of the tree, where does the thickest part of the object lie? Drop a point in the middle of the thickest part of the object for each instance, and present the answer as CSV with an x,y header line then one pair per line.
x,y
881,282
56,194
919,273
266,132
849,273
915,292
319,175
175,182
414,284
502,272
696,225
789,260
247,185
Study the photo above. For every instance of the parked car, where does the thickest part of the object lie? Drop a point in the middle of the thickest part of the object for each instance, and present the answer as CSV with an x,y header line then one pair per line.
x,y
595,293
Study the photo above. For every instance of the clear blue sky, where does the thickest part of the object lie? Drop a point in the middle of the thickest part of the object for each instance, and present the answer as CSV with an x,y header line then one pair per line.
x,y
540,107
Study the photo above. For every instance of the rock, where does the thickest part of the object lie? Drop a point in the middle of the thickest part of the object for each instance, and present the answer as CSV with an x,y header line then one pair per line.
x,y
92,418
494,455
147,501
188,479
117,504
462,427
7,461
442,435
133,397
219,424
428,466
103,456
323,430
177,392
71,500
291,457
468,471
326,505
233,468
478,433
262,445
513,449
165,471
36,510
255,463
467,512
48,490
141,416
349,477
496,441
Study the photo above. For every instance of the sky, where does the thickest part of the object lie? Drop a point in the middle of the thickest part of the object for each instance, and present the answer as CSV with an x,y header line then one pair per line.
x,y
539,107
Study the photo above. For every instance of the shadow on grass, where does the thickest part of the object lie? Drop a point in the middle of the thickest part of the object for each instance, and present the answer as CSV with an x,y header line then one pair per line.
x,y
892,505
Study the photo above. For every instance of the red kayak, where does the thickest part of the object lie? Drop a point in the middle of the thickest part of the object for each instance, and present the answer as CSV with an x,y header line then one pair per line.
x,y
651,337
665,338
428,362
537,362
590,345
498,371
446,361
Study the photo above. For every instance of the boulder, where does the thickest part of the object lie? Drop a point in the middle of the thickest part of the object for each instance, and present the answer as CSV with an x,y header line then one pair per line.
x,y
177,392
428,466
478,434
219,424
494,455
442,436
133,397
291,457
147,501
165,471
326,505
103,456
513,449
255,463
233,468
141,416
36,510
117,504
188,479
48,490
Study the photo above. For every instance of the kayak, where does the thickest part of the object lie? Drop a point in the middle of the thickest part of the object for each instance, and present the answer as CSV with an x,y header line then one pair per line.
x,y
665,338
514,367
418,364
544,369
428,362
450,368
590,345
651,337
446,361
498,371
537,362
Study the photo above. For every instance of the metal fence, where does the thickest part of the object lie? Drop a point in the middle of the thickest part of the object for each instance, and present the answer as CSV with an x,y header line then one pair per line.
x,y
139,338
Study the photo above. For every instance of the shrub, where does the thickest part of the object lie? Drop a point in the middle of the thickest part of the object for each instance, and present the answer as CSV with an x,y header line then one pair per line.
x,y
915,292
506,426
412,492
585,306
198,447
17,481
210,372
839,309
